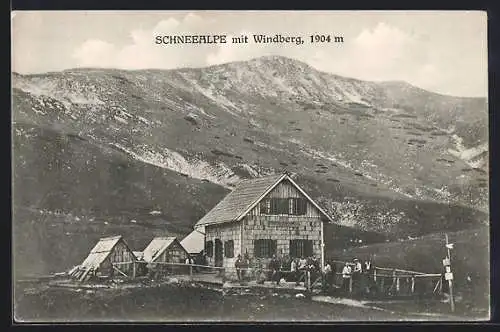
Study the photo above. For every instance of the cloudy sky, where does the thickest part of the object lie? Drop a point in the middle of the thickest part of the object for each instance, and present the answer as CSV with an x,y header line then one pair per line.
x,y
445,52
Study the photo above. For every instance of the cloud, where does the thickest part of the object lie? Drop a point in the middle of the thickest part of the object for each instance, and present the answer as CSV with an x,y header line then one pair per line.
x,y
141,52
382,53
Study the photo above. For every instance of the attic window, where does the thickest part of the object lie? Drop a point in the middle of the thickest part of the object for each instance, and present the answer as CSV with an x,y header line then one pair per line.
x,y
299,206
279,206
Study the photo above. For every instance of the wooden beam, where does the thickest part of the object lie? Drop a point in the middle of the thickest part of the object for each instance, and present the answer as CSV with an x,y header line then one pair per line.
x,y
117,269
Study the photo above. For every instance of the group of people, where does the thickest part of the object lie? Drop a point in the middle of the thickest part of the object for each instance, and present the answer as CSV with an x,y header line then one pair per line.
x,y
357,276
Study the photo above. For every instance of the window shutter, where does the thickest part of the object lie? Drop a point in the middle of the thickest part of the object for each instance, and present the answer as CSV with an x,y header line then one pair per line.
x,y
308,248
274,247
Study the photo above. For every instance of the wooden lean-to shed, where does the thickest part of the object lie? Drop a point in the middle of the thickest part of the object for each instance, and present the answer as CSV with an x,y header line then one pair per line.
x,y
165,250
194,242
99,262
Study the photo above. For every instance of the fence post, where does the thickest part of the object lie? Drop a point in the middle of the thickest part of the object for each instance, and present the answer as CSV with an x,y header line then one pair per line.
x,y
412,285
133,270
191,271
350,285
375,274
382,281
397,285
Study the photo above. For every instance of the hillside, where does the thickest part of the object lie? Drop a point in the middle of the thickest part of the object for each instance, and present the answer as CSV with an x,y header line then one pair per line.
x,y
163,146
470,257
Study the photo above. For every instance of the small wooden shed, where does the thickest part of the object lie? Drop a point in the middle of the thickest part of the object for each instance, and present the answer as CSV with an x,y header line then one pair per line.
x,y
165,249
194,243
99,262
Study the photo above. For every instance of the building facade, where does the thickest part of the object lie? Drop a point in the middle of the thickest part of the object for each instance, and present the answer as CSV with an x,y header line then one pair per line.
x,y
261,218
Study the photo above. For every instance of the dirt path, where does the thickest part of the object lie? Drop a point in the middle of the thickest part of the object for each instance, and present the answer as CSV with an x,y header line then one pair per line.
x,y
185,303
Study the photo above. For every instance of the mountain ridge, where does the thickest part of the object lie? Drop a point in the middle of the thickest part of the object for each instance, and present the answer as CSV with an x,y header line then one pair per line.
x,y
379,159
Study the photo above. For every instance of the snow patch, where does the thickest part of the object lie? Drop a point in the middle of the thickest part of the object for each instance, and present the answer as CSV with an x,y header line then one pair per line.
x,y
198,169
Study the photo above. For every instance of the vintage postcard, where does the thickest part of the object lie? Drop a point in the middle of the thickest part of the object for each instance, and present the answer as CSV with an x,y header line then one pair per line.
x,y
246,166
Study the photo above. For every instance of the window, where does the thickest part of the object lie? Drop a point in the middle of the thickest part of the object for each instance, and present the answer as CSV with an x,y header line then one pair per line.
x,y
209,248
264,248
279,206
229,249
299,206
301,248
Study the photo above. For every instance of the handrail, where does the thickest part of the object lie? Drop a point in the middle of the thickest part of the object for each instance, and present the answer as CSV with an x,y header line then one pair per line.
x,y
409,275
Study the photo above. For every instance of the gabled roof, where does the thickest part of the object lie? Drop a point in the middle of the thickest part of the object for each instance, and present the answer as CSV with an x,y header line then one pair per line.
x,y
246,195
101,251
156,247
194,242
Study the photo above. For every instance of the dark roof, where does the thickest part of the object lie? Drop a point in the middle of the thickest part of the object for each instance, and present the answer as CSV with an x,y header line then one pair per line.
x,y
244,197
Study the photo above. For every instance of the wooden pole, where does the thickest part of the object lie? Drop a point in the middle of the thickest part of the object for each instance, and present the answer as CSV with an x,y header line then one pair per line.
x,y
413,285
322,245
350,284
133,270
450,282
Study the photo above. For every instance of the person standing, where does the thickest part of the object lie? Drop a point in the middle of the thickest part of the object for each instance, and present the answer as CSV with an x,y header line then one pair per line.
x,y
275,267
346,277
293,270
356,275
237,264
327,276
302,267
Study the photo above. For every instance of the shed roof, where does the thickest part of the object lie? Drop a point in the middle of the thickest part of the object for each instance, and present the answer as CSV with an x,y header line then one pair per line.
x,y
156,247
101,251
245,196
194,242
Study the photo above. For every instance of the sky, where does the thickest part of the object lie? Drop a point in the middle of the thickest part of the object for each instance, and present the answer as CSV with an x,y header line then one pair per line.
x,y
440,51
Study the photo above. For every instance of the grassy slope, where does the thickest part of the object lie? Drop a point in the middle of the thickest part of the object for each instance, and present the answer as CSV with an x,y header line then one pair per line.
x,y
470,256
98,192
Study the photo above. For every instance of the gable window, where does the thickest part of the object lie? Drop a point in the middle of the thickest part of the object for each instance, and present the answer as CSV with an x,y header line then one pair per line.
x,y
301,248
264,248
229,249
299,206
279,206
209,248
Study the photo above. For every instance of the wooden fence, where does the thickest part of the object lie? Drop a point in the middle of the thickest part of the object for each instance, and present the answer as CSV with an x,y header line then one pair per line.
x,y
381,282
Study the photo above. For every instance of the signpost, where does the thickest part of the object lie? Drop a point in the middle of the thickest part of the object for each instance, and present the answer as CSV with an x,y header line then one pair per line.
x,y
448,274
